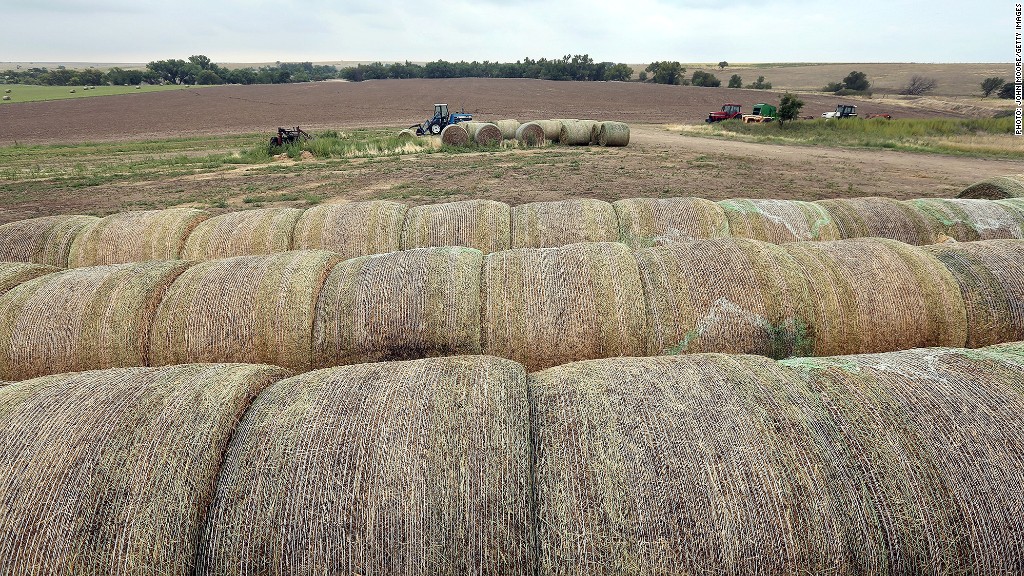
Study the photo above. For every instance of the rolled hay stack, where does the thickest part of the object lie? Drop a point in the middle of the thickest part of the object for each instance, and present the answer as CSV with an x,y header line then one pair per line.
x,y
779,221
15,273
726,295
531,134
82,319
481,224
740,465
575,132
998,188
483,133
135,237
399,306
113,471
252,309
419,468
872,217
554,224
548,306
552,129
647,222
351,229
967,220
46,240
250,232
455,135
991,279
613,134
508,128
407,134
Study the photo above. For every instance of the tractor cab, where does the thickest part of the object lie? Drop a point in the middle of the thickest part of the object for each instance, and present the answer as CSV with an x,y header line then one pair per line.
x,y
842,111
728,112
441,119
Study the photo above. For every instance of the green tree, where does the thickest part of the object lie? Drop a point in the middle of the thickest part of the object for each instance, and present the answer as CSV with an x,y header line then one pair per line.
x,y
735,81
723,65
760,84
856,81
789,108
208,78
706,79
642,77
199,60
622,72
990,85
833,87
666,72
1007,91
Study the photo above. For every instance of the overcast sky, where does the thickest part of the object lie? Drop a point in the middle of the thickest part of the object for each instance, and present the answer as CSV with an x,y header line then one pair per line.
x,y
635,31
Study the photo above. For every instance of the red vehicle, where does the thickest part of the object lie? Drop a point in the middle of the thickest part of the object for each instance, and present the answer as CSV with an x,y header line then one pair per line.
x,y
728,112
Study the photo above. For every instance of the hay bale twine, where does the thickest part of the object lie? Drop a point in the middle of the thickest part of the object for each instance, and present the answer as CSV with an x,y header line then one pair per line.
x,y
645,222
113,471
82,319
967,220
613,134
575,132
998,188
548,306
351,229
991,279
399,306
407,134
726,295
253,309
455,135
531,134
779,221
553,224
250,232
481,224
508,128
552,129
872,217
135,237
45,240
14,273
419,467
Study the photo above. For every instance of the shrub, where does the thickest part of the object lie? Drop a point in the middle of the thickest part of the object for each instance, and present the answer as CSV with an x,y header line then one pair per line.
x,y
707,79
760,84
735,81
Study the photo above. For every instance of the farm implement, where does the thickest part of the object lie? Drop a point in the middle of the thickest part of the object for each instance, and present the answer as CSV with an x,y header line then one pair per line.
x,y
287,136
440,119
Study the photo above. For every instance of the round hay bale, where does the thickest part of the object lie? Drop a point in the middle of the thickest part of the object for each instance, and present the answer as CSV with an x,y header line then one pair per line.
x,y
253,309
399,306
250,232
552,129
726,295
998,188
779,221
575,133
613,134
14,273
548,306
531,134
967,220
135,237
481,224
418,467
508,128
82,319
553,224
46,240
879,218
645,222
455,135
407,134
991,279
351,229
113,471
485,134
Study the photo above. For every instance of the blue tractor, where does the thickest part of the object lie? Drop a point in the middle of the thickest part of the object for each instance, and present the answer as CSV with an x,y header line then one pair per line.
x,y
441,119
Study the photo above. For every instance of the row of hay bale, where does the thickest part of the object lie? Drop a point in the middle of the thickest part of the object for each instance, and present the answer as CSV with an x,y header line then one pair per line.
x,y
540,307
537,133
898,463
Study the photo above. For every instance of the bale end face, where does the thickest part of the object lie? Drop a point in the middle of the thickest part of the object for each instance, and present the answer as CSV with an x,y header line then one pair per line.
x,y
531,134
454,135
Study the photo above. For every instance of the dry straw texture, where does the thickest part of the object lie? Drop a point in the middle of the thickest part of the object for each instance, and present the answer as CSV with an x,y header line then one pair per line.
x,y
967,220
400,306
553,224
14,273
575,132
254,309
991,279
407,134
487,135
879,218
647,222
548,306
82,319
262,231
508,128
1010,186
531,134
552,129
779,221
481,224
45,240
351,229
738,465
113,471
454,135
135,237
417,468
613,134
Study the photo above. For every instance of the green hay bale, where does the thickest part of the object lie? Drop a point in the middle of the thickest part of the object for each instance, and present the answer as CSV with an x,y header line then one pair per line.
x,y
612,134
998,188
135,237
553,224
455,135
351,229
508,128
481,224
399,306
575,132
531,134
15,273
991,279
970,220
46,240
419,468
548,306
252,309
251,232
113,471
552,129
779,221
645,222
879,218
82,319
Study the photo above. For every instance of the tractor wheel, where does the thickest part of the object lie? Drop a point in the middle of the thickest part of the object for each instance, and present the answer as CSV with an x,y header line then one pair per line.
x,y
435,129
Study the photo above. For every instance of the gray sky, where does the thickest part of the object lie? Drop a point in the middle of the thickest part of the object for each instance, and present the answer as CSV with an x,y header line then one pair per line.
x,y
637,31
